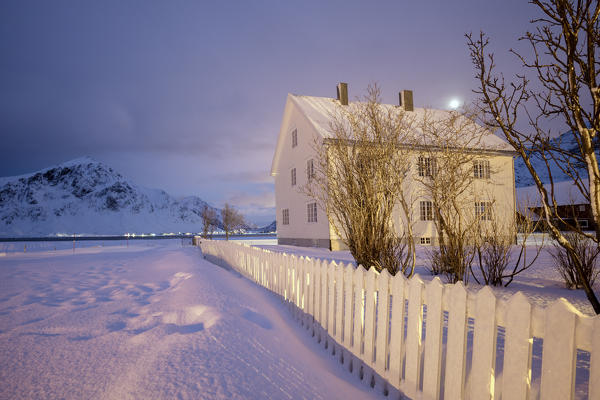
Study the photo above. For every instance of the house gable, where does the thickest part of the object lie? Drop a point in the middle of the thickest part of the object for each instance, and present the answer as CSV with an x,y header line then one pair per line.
x,y
294,109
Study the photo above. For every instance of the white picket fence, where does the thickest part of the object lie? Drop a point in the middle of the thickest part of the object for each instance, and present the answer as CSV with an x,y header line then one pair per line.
x,y
404,336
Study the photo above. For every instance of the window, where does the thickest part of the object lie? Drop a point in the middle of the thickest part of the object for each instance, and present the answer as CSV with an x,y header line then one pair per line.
x,y
425,240
293,176
582,207
483,210
311,209
481,169
285,216
310,169
583,224
426,211
426,166
295,138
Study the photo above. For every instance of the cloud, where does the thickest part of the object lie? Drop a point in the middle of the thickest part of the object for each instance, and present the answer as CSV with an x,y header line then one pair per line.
x,y
262,176
256,207
255,200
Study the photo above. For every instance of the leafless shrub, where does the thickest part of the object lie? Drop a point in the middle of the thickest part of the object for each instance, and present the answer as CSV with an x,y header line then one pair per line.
x,y
587,253
452,260
494,251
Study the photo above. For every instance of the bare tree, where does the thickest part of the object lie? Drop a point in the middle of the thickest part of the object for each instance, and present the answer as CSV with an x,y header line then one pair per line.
x,y
360,181
564,45
209,220
231,218
496,252
452,147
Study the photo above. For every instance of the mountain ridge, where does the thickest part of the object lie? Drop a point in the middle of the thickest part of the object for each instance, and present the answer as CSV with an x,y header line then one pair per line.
x,y
85,196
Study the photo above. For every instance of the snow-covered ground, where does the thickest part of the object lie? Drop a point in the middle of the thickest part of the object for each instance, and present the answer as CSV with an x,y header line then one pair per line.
x,y
541,283
151,320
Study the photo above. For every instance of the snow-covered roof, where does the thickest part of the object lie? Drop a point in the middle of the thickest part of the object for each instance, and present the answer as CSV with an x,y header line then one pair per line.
x,y
566,193
319,111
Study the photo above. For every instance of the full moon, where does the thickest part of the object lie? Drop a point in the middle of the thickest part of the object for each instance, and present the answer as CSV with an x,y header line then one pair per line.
x,y
454,104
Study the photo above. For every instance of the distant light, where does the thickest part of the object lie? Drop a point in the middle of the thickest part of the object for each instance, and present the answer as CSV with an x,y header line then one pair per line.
x,y
454,104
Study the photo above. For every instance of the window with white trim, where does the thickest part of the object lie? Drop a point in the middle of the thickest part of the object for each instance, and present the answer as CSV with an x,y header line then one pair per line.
x,y
293,176
285,216
426,210
483,210
425,240
310,169
426,166
481,169
295,138
311,210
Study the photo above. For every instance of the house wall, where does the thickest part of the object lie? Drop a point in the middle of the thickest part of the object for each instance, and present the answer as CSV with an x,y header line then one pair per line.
x,y
572,214
299,231
498,189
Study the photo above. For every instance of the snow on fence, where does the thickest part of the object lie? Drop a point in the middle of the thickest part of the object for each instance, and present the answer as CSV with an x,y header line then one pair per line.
x,y
431,340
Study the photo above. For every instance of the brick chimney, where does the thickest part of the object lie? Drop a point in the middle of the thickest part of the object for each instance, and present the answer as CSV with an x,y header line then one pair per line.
x,y
342,93
406,100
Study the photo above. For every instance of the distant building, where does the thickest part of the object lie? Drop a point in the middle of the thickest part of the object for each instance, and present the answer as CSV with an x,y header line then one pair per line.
x,y
306,119
572,206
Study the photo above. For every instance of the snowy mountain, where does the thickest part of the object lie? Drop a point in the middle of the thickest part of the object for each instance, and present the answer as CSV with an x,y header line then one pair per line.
x,y
272,227
84,196
522,176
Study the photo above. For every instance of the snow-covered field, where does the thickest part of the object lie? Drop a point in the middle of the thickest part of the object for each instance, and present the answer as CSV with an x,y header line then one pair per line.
x,y
151,320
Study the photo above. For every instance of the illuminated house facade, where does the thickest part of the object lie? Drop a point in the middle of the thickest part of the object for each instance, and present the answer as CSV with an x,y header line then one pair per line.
x,y
306,121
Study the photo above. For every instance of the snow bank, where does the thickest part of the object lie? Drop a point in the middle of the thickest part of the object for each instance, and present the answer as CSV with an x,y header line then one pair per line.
x,y
151,322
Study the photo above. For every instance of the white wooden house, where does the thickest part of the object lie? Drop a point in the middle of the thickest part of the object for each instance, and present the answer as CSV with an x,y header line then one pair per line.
x,y
306,121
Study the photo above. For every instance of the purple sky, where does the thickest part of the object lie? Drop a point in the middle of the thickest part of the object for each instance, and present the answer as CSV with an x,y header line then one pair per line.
x,y
187,96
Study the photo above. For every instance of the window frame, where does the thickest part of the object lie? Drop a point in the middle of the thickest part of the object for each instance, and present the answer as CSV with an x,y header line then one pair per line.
x,y
294,137
481,169
311,212
426,166
310,169
293,176
483,210
285,216
426,210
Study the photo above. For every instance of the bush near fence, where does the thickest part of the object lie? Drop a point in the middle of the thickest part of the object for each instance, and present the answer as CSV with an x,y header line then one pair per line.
x,y
404,336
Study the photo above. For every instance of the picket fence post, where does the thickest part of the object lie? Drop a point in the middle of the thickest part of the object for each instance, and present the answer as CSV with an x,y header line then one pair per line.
x,y
559,353
594,384
457,341
484,345
323,313
349,307
318,269
397,330
516,372
383,312
370,285
311,291
413,335
331,302
358,280
432,369
339,302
